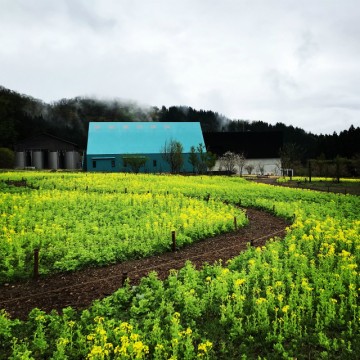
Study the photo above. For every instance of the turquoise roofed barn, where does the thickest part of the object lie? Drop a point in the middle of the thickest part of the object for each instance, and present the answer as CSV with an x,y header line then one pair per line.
x,y
111,145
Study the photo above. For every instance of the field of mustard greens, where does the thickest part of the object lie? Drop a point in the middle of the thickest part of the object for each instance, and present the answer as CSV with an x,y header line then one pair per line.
x,y
74,228
295,298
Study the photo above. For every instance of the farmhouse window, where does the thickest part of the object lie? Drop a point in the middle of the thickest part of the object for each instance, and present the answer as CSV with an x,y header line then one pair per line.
x,y
94,163
154,163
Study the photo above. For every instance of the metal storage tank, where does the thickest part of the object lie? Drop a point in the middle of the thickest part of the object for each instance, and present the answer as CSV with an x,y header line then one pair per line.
x,y
71,159
53,160
20,159
38,159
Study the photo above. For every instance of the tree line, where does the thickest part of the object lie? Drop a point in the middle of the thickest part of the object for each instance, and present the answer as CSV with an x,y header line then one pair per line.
x,y
22,116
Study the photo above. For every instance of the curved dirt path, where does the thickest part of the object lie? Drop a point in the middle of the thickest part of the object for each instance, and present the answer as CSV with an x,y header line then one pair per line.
x,y
79,289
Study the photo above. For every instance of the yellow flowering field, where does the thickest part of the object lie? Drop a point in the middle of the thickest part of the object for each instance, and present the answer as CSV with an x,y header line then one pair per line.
x,y
292,299
73,227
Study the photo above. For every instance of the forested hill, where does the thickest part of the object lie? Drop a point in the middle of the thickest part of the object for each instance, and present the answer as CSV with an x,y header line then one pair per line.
x,y
22,116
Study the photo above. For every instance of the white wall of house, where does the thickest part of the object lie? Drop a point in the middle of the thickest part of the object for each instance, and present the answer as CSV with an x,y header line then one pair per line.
x,y
271,166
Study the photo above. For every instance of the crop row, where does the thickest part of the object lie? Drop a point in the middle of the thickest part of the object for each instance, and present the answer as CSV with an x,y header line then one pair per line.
x,y
74,228
296,298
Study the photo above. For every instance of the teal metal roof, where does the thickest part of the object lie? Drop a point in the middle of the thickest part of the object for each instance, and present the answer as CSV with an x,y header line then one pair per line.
x,y
141,137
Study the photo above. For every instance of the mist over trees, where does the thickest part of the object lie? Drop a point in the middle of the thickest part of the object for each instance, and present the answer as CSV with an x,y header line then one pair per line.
x,y
22,116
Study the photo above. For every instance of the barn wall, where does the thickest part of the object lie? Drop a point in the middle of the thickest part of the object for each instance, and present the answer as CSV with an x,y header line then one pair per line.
x,y
154,164
115,163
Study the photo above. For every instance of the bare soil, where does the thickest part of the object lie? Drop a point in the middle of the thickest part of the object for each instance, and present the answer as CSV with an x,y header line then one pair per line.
x,y
79,289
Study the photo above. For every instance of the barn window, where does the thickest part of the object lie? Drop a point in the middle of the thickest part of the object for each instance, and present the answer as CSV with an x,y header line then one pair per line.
x,y
94,163
154,163
113,163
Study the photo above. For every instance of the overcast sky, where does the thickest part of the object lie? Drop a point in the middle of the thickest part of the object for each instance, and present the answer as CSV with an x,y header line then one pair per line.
x,y
296,62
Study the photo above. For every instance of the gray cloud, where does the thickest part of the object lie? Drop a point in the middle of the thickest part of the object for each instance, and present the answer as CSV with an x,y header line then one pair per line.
x,y
270,60
81,13
281,83
308,48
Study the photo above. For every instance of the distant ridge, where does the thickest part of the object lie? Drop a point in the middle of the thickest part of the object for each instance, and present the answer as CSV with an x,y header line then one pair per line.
x,y
22,116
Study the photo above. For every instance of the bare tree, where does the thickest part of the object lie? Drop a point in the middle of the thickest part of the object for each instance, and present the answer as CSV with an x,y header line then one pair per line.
x,y
172,153
277,168
193,158
240,162
210,159
249,168
261,168
197,158
200,159
228,161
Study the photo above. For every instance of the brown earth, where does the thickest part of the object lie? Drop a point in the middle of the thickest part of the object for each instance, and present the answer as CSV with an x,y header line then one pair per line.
x,y
79,289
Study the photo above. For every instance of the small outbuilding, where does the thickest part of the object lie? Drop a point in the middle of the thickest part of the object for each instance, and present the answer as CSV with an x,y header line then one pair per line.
x,y
112,145
45,151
